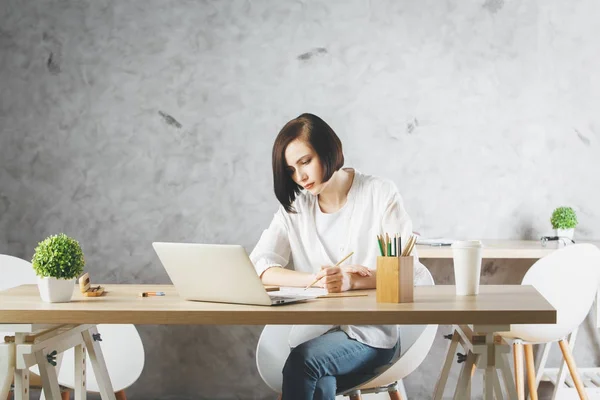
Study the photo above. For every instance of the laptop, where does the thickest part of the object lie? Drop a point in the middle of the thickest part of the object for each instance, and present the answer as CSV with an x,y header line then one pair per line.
x,y
220,273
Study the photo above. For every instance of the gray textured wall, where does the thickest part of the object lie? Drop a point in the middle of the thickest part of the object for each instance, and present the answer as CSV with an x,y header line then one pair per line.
x,y
122,123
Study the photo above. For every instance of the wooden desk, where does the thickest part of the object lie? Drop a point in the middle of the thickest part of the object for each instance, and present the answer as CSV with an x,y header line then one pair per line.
x,y
496,304
529,249
493,310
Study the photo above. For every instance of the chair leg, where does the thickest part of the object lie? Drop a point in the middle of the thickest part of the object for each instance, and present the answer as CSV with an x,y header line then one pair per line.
x,y
355,396
120,395
518,356
395,395
566,351
531,381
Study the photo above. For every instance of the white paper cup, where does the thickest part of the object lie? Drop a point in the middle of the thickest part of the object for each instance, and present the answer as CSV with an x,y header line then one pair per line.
x,y
467,266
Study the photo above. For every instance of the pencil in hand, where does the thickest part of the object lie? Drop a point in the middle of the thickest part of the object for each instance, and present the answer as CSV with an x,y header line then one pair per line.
x,y
336,265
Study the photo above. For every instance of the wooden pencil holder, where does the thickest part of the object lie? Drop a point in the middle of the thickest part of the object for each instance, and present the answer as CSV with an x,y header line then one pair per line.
x,y
395,279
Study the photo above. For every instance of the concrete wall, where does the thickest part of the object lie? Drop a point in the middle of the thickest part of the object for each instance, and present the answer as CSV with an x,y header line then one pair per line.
x,y
122,123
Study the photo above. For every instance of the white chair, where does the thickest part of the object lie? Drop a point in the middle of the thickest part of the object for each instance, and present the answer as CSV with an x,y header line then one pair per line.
x,y
568,278
121,344
415,342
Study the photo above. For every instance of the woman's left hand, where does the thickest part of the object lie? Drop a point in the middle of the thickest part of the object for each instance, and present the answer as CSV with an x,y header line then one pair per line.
x,y
339,279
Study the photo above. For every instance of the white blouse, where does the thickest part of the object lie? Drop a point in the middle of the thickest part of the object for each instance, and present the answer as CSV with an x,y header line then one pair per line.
x,y
373,207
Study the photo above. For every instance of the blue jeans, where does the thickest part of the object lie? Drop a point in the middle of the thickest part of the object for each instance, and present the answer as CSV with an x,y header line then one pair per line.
x,y
318,368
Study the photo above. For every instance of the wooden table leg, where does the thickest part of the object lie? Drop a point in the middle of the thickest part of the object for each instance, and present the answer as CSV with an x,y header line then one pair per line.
x,y
7,368
48,375
490,352
509,383
441,383
80,373
98,364
497,387
21,391
59,358
472,373
490,367
462,386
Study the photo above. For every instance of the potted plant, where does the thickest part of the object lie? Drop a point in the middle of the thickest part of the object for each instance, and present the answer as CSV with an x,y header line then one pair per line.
x,y
564,220
57,261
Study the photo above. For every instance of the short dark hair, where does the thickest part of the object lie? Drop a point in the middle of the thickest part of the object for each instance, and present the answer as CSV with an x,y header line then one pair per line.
x,y
323,140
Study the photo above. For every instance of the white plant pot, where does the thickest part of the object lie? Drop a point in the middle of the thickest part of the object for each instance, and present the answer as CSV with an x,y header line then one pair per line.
x,y
565,233
53,290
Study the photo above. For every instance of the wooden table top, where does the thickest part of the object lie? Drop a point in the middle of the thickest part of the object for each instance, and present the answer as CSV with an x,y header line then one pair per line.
x,y
495,304
501,249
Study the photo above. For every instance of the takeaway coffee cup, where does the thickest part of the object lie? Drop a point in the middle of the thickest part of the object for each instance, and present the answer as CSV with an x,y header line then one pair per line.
x,y
467,266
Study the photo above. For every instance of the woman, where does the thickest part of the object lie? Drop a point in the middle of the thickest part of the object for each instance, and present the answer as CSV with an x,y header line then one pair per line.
x,y
327,212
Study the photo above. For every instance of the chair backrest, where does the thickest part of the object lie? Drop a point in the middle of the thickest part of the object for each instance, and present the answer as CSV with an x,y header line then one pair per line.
x,y
568,278
272,351
15,272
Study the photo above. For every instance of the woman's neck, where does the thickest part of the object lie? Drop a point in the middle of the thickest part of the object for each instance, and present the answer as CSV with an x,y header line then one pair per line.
x,y
334,195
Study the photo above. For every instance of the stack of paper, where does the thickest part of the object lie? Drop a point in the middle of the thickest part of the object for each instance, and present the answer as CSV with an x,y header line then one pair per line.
x,y
435,242
315,292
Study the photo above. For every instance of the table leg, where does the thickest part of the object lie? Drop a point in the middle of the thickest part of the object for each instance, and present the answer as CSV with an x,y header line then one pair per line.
x,y
488,382
80,373
487,351
441,383
7,368
509,383
48,374
490,372
98,363
59,358
472,373
21,375
497,387
462,386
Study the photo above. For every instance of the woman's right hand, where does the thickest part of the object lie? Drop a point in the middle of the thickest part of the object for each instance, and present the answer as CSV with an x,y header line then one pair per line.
x,y
339,279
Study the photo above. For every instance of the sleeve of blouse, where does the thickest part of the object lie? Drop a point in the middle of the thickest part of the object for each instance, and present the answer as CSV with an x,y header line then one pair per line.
x,y
273,247
397,220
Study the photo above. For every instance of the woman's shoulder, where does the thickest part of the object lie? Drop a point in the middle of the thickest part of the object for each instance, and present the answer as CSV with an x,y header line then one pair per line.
x,y
377,185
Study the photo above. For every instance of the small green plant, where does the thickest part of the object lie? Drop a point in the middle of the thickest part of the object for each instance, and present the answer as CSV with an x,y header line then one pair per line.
x,y
563,218
58,256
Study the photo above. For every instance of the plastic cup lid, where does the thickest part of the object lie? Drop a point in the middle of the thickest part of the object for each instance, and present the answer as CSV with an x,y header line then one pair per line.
x,y
466,244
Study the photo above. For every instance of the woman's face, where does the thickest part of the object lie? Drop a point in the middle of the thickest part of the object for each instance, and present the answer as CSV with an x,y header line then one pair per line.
x,y
304,166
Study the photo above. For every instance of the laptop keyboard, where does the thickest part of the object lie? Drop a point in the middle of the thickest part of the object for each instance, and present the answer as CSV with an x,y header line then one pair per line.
x,y
276,298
